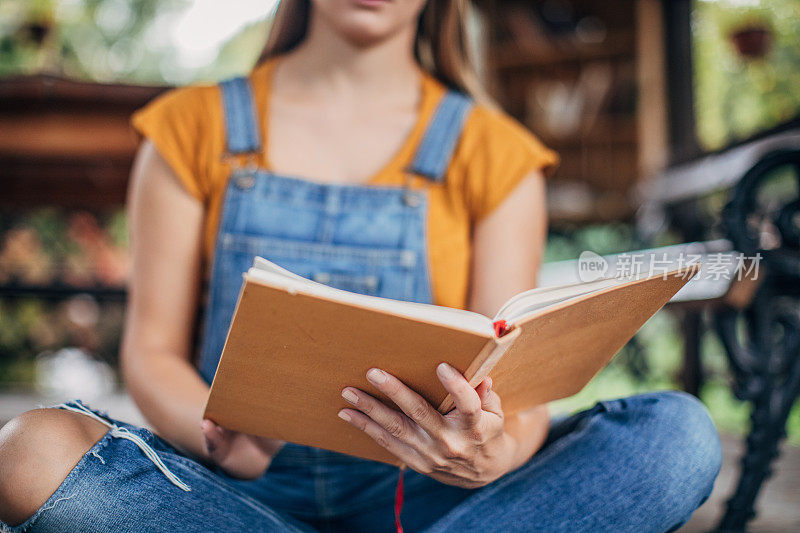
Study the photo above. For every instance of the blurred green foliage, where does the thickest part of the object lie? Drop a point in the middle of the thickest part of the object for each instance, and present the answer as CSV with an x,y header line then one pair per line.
x,y
114,40
59,248
737,95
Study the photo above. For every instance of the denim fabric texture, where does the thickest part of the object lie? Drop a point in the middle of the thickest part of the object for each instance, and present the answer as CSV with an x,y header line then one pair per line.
x,y
370,240
640,464
637,464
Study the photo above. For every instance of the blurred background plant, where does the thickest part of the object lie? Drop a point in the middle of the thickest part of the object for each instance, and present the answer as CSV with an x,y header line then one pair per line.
x,y
50,251
746,71
138,41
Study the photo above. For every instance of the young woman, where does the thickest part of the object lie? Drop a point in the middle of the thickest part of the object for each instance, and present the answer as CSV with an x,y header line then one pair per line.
x,y
359,152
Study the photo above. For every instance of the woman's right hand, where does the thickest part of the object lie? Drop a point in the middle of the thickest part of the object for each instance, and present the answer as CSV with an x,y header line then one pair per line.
x,y
238,454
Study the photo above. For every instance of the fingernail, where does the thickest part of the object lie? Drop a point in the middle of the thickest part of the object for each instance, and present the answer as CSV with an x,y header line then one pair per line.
x,y
344,416
350,396
445,371
376,376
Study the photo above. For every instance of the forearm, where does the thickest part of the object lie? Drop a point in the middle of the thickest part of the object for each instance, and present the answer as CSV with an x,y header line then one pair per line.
x,y
170,394
166,225
527,432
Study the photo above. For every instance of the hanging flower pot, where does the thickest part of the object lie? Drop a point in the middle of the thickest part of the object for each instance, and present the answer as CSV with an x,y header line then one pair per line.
x,y
37,31
752,41
39,21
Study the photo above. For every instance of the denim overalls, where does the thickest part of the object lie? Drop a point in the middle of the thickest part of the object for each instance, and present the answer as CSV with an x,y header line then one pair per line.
x,y
365,239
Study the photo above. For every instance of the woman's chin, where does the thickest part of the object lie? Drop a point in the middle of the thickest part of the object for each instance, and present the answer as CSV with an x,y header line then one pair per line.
x,y
364,35
367,22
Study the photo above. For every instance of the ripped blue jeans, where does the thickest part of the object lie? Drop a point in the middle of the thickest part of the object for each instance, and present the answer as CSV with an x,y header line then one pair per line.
x,y
638,464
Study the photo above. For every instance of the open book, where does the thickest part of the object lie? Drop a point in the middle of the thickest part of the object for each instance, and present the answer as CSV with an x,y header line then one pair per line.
x,y
294,344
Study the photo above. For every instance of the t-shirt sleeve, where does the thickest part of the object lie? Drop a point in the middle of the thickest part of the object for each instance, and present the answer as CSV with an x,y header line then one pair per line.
x,y
176,124
502,155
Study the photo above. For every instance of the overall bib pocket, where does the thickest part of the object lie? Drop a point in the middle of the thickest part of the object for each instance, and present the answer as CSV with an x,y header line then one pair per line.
x,y
388,273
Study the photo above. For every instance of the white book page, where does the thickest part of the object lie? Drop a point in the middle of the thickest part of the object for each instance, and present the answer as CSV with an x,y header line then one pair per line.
x,y
514,310
271,274
528,302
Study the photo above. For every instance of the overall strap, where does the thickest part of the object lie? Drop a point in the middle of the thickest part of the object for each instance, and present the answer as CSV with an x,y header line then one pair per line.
x,y
437,146
242,132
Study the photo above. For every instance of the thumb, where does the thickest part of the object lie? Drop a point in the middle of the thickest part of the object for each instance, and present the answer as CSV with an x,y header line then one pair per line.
x,y
214,438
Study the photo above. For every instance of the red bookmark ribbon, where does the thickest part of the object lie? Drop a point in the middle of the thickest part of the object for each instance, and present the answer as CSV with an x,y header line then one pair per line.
x,y
398,500
500,327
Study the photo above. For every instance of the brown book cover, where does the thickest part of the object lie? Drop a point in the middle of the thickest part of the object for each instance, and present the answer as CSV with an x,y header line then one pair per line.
x,y
289,355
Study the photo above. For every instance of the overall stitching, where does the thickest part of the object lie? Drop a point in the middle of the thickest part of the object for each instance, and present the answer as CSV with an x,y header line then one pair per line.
x,y
207,359
427,288
315,251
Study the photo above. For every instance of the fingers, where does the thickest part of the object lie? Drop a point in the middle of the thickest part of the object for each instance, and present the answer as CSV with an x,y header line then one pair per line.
x,y
393,422
483,388
490,401
384,438
214,438
412,404
464,396
239,455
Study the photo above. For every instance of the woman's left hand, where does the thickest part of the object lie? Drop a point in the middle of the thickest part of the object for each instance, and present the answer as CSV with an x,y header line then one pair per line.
x,y
468,447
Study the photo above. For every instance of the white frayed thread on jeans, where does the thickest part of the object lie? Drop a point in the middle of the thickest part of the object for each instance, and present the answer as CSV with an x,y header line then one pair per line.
x,y
124,433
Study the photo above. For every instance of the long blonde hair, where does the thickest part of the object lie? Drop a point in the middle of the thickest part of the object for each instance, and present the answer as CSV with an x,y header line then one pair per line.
x,y
442,46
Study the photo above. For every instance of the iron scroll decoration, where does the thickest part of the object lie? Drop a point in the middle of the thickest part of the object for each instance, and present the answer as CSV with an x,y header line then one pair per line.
x,y
746,223
762,341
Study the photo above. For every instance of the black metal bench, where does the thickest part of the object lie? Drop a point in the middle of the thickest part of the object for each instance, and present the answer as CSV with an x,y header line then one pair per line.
x,y
757,320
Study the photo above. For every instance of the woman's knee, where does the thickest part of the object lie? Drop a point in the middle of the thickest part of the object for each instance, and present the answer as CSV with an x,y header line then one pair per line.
x,y
680,448
37,451
684,429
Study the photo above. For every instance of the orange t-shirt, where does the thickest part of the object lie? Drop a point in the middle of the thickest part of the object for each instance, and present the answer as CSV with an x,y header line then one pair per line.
x,y
493,155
